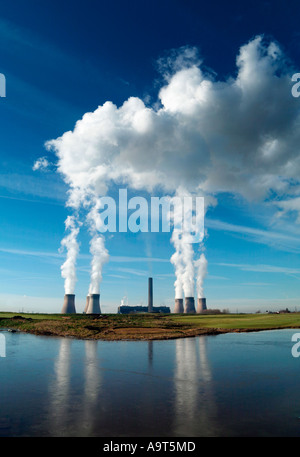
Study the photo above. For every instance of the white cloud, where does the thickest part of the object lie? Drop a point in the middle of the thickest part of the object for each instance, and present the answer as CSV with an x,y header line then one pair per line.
x,y
278,240
289,206
209,136
262,268
204,135
41,164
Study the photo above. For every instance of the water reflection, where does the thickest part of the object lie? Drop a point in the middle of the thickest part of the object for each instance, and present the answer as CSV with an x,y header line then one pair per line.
x,y
195,406
60,389
82,403
92,387
73,408
228,385
150,353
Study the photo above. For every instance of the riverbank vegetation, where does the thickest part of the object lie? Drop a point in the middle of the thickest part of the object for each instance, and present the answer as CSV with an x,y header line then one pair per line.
x,y
143,326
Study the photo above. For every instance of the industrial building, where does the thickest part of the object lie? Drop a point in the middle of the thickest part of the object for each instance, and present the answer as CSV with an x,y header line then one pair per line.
x,y
145,309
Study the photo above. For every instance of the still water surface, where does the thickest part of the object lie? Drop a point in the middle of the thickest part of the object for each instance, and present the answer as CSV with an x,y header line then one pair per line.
x,y
226,385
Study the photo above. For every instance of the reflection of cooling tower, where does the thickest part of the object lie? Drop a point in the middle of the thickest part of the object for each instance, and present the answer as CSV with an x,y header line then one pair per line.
x,y
87,304
189,305
69,304
201,305
150,295
178,305
94,304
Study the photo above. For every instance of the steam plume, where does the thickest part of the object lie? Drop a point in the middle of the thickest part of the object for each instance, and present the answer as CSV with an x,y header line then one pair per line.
x,y
97,247
181,238
201,266
70,243
100,257
199,128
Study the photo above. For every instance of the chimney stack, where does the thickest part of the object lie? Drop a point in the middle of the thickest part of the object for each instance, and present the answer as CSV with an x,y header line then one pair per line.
x,y
150,295
94,304
201,305
69,304
178,305
189,305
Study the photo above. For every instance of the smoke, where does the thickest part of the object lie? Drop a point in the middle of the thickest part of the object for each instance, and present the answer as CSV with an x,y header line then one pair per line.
x,y
176,260
70,243
205,135
201,267
188,226
97,246
100,257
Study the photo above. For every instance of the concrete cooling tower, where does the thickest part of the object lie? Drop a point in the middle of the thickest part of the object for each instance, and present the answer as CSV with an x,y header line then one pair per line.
x,y
86,304
69,304
94,304
178,305
189,305
201,305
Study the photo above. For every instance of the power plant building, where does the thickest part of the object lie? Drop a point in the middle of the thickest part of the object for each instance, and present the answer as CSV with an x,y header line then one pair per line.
x,y
142,309
145,309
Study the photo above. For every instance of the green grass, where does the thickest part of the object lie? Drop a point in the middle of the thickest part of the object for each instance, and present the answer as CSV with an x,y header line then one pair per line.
x,y
240,321
29,315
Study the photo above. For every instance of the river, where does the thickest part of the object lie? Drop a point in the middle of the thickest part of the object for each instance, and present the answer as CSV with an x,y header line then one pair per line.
x,y
235,384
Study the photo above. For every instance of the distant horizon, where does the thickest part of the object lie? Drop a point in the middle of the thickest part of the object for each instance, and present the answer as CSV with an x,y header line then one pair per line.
x,y
234,306
201,104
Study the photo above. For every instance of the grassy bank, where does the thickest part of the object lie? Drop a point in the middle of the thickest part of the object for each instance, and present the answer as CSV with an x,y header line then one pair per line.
x,y
240,321
143,326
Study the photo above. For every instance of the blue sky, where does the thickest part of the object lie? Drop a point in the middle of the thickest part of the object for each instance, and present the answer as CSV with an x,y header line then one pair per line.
x,y
63,59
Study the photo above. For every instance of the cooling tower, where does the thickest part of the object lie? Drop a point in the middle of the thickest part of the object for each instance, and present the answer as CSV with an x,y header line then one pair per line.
x,y
178,305
69,304
87,304
201,305
150,295
94,304
189,305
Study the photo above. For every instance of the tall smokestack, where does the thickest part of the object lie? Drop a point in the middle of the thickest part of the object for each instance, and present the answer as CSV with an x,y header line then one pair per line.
x,y
94,304
87,304
201,305
189,305
69,304
178,305
150,295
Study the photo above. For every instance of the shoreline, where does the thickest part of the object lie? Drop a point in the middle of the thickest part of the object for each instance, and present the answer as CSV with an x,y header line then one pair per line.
x,y
143,327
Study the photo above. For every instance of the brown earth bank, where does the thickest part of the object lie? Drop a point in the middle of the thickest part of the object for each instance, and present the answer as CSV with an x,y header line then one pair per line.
x,y
140,326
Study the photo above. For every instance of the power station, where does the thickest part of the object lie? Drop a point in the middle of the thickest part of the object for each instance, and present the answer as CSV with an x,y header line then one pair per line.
x,y
145,309
92,305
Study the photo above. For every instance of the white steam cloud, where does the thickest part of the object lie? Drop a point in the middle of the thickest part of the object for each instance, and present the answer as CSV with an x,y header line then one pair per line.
x,y
207,136
182,240
201,266
97,247
70,243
